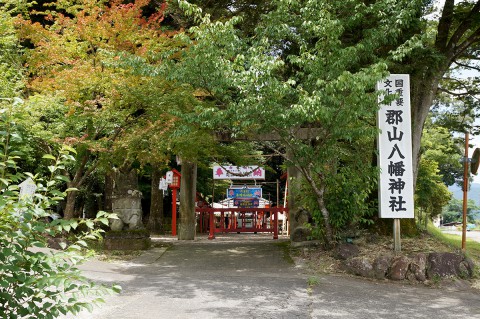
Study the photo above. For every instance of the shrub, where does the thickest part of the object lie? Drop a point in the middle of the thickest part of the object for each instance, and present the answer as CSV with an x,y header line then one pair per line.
x,y
37,282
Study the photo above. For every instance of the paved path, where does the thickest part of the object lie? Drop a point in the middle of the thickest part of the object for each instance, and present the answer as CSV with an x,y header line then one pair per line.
x,y
473,235
253,279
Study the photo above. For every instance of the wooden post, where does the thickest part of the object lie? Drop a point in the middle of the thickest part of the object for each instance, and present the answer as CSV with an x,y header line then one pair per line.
x,y
465,195
396,235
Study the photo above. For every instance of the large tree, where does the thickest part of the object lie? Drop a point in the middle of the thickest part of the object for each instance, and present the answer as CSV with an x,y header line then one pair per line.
x,y
67,64
451,43
310,65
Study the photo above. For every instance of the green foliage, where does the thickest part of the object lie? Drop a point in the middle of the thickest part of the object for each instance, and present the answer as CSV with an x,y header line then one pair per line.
x,y
439,145
453,212
310,64
11,77
37,282
431,194
348,198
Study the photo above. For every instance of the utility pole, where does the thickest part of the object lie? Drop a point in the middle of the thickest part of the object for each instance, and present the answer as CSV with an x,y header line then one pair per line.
x,y
465,194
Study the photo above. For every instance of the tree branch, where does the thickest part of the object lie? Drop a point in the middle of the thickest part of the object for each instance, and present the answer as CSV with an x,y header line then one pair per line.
x,y
462,47
467,66
444,25
459,93
465,25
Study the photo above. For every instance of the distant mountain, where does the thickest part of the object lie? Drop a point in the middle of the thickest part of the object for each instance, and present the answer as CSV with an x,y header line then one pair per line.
x,y
473,192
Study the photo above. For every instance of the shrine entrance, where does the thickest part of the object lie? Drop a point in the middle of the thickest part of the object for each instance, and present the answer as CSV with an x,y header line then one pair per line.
x,y
244,209
241,220
244,218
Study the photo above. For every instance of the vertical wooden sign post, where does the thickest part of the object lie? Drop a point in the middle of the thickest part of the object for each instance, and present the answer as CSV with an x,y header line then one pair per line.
x,y
395,189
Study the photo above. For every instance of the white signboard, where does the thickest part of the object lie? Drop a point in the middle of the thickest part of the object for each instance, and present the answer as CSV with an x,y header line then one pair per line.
x,y
27,188
238,172
163,184
395,148
169,177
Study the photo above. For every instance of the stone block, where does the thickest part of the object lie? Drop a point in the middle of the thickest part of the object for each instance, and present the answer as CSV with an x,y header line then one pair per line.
x,y
418,266
127,240
300,234
346,251
443,264
399,268
360,266
381,265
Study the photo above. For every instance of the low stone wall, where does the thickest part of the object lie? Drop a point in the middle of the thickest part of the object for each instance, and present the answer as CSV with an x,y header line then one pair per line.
x,y
419,267
127,240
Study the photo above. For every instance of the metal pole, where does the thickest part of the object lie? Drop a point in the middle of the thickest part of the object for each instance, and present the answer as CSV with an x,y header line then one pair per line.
x,y
396,235
465,195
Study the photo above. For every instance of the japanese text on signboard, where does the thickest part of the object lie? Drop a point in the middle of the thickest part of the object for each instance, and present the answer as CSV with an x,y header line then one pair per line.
x,y
395,148
238,172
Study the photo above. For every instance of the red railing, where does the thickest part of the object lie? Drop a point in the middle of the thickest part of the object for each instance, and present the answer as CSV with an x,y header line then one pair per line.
x,y
240,220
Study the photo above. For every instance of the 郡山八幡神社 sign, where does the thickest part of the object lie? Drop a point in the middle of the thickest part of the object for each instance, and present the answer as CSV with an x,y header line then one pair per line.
x,y
395,148
238,172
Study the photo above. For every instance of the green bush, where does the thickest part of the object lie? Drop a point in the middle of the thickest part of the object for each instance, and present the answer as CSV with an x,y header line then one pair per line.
x,y
37,282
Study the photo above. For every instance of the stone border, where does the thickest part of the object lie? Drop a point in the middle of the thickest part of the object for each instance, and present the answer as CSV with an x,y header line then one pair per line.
x,y
419,267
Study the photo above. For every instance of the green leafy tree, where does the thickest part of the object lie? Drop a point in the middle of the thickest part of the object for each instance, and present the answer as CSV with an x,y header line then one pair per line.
x,y
38,283
450,44
440,146
307,66
250,10
11,75
453,212
431,194
66,66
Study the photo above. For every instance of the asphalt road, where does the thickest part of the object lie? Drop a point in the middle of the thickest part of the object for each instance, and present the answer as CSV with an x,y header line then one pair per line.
x,y
473,235
245,278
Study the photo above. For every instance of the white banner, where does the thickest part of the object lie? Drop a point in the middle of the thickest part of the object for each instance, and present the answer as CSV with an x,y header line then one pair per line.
x,y
163,184
238,172
395,148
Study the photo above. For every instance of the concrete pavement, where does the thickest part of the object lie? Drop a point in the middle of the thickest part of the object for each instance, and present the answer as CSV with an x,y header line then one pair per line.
x,y
473,235
248,276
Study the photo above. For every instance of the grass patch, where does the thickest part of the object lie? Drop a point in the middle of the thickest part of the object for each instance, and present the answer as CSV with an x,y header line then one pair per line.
x,y
312,282
118,255
455,242
95,249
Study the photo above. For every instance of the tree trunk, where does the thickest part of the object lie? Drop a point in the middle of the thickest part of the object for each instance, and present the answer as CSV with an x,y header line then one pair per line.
x,y
155,220
424,92
108,191
294,176
186,225
319,189
70,212
320,192
77,181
